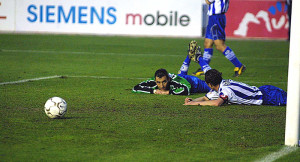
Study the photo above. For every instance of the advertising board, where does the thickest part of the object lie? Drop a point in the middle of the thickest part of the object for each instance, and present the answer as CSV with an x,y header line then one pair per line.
x,y
257,19
110,17
7,15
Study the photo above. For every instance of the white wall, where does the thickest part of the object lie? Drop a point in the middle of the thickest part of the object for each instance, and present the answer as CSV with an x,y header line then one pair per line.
x,y
7,15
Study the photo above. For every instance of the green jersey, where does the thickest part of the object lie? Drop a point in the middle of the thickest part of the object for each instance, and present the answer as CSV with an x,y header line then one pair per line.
x,y
178,86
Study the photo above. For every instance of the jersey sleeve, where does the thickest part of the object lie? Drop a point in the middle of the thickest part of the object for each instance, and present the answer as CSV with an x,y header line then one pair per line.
x,y
225,94
145,87
180,90
179,86
212,95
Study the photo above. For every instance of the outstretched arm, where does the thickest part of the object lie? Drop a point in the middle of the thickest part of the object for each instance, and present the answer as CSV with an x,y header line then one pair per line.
x,y
211,95
204,98
148,86
217,102
145,87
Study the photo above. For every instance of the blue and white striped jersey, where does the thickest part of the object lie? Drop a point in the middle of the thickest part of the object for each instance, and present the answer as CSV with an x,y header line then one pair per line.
x,y
234,92
218,7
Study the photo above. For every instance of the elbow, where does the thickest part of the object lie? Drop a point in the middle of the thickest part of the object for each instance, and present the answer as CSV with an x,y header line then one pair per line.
x,y
220,103
217,104
135,88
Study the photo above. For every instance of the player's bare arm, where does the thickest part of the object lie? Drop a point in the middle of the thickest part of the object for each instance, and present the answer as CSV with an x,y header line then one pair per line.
x,y
208,2
217,102
204,98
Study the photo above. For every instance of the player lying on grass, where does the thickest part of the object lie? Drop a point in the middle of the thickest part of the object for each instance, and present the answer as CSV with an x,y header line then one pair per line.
x,y
167,83
232,92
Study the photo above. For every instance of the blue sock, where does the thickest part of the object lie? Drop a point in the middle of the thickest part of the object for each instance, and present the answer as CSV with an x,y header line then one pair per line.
x,y
185,66
207,54
204,66
229,54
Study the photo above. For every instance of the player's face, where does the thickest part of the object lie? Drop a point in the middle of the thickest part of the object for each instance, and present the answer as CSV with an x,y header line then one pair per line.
x,y
162,83
212,87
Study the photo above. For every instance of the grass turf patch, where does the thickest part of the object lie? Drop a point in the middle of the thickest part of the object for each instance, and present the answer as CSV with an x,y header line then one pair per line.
x,y
106,121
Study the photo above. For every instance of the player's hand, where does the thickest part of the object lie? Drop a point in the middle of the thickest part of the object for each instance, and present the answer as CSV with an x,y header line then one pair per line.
x,y
162,92
187,100
192,103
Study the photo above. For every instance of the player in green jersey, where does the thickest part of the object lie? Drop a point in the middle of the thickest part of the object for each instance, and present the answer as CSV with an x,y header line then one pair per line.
x,y
167,83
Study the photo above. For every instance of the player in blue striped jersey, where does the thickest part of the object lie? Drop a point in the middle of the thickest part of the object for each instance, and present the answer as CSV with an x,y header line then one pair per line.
x,y
215,35
232,92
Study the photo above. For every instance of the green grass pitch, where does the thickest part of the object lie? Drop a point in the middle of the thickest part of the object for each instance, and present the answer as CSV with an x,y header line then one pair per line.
x,y
107,122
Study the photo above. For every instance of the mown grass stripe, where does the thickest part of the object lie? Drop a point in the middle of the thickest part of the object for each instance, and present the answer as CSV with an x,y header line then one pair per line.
x,y
103,77
126,54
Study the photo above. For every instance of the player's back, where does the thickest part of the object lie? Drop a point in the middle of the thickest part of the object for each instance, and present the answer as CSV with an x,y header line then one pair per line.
x,y
218,7
240,93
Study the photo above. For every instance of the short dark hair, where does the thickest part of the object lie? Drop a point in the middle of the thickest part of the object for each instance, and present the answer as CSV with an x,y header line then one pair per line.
x,y
160,73
213,77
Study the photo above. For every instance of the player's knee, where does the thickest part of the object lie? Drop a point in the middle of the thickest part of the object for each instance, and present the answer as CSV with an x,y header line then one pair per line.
x,y
221,47
208,44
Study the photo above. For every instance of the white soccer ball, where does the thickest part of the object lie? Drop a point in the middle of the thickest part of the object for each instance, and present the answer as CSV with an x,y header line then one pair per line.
x,y
55,107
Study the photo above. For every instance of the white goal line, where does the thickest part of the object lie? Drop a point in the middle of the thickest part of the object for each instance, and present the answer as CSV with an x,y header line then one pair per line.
x,y
276,155
61,76
103,77
28,80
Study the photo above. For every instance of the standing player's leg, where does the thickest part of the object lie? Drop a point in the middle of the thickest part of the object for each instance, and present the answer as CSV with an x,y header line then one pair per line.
x,y
208,45
230,55
219,36
208,50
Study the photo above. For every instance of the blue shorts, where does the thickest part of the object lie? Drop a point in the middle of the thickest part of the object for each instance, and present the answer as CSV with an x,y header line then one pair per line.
x,y
216,27
197,85
273,95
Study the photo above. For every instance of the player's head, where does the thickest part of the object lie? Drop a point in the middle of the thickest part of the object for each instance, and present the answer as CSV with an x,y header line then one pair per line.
x,y
162,79
213,77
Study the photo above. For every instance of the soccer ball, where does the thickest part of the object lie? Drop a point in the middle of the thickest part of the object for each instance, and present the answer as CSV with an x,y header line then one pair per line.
x,y
55,107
